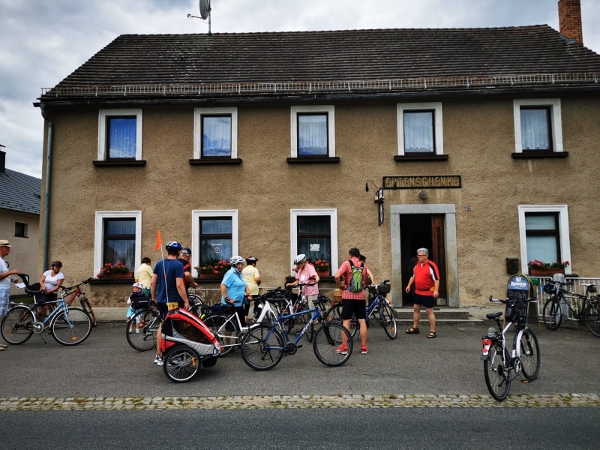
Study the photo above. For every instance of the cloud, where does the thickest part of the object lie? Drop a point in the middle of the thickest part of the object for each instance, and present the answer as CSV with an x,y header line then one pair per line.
x,y
44,41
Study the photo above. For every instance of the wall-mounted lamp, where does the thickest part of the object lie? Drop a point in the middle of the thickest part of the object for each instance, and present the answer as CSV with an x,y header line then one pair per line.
x,y
379,199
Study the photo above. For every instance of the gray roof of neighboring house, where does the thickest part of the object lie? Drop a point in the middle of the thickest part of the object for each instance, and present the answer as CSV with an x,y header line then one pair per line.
x,y
280,57
20,192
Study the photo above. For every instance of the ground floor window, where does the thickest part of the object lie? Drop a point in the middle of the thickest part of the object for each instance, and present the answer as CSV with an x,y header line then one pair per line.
x,y
314,233
214,237
544,234
117,239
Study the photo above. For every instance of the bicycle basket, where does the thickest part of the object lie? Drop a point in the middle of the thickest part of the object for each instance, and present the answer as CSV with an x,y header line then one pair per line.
x,y
517,313
549,289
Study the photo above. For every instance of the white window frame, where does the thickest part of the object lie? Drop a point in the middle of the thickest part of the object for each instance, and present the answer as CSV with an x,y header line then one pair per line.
x,y
332,213
99,235
313,109
438,128
196,215
555,121
199,112
563,230
105,114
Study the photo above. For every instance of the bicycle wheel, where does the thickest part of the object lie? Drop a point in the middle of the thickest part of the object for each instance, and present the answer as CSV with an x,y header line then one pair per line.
x,y
530,354
388,321
72,327
87,307
225,332
327,339
17,325
498,383
335,315
262,347
146,321
552,314
592,318
181,363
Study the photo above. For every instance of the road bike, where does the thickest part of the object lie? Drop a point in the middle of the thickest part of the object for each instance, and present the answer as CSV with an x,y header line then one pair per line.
x,y
67,325
379,308
263,346
77,292
498,363
585,308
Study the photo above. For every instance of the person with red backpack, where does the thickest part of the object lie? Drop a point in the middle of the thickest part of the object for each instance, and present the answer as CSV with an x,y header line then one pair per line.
x,y
350,278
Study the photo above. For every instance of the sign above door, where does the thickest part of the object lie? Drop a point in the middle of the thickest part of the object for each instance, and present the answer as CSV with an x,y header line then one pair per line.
x,y
423,182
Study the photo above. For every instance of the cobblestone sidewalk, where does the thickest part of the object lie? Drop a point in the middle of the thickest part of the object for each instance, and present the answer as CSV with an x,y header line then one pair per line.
x,y
297,401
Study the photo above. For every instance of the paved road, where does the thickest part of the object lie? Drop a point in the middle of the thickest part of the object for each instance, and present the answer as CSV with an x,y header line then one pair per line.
x,y
106,366
424,428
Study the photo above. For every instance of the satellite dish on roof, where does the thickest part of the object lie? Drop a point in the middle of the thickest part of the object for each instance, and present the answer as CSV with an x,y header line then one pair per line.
x,y
204,8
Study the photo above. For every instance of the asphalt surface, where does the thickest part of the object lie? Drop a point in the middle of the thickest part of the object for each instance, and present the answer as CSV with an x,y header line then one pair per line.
x,y
106,366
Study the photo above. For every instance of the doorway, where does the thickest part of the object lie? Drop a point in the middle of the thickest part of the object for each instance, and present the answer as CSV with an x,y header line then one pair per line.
x,y
418,231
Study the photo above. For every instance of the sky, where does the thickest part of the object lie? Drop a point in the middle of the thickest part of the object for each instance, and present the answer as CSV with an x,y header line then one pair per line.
x,y
43,41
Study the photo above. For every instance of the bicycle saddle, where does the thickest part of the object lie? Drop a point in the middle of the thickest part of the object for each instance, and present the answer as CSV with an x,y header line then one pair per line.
x,y
493,316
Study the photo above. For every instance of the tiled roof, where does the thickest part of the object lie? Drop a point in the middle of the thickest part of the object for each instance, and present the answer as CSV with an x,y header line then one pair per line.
x,y
20,192
332,56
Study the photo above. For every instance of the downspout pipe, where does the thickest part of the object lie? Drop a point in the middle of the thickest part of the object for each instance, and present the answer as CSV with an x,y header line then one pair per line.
x,y
47,197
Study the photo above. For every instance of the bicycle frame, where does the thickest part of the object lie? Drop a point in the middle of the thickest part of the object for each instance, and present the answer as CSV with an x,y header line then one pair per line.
x,y
567,297
280,319
36,328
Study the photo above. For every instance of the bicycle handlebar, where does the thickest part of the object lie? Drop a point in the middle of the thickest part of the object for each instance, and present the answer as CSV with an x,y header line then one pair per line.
x,y
67,289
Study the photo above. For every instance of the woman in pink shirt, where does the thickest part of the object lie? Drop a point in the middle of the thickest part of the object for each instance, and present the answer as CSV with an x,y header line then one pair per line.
x,y
306,273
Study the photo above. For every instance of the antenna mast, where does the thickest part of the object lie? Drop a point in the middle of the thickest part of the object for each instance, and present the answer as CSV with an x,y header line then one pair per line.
x,y
205,9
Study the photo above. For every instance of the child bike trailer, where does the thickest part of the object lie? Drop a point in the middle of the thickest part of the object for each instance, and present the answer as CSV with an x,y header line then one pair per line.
x,y
186,343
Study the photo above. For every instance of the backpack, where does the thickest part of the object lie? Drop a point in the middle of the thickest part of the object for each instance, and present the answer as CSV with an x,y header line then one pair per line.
x,y
356,282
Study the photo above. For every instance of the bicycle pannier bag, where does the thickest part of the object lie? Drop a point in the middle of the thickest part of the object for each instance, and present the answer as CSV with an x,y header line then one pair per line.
x,y
356,282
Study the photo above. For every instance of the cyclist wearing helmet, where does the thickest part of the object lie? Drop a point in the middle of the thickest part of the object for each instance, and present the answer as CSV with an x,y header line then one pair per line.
x,y
167,288
51,282
306,274
233,288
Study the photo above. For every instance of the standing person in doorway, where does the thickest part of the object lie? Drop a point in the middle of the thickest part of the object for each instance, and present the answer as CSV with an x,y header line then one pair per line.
x,y
426,279
351,277
5,280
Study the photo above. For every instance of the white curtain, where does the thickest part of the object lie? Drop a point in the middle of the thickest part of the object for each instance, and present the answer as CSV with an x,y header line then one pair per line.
x,y
312,134
122,137
418,132
216,136
534,129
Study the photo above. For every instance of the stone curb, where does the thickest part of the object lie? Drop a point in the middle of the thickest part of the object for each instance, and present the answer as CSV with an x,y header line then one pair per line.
x,y
297,402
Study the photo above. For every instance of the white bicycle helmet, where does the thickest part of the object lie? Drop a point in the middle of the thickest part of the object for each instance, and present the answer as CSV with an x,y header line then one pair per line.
x,y
300,258
138,285
235,260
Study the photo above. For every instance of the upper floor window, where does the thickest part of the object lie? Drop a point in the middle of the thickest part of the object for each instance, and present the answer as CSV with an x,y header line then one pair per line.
x,y
117,239
20,229
537,125
215,133
313,131
420,129
120,134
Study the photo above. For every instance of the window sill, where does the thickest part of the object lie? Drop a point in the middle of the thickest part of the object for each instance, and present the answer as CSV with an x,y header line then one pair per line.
x,y
128,281
314,160
203,280
215,162
117,163
411,158
539,154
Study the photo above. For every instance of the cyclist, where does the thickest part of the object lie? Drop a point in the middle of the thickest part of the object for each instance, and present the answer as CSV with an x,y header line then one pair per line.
x,y
233,288
167,288
184,259
307,274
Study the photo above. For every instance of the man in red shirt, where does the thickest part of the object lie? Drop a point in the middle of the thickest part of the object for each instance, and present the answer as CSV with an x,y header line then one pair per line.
x,y
426,278
353,302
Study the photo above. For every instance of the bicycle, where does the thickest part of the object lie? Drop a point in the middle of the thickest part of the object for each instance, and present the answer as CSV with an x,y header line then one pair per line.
x,y
589,313
379,307
498,364
68,326
299,304
227,327
264,345
80,294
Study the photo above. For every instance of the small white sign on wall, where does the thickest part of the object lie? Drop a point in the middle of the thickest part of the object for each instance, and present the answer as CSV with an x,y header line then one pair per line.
x,y
315,247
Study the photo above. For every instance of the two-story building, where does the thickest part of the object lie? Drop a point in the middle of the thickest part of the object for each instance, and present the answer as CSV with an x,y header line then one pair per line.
x,y
484,140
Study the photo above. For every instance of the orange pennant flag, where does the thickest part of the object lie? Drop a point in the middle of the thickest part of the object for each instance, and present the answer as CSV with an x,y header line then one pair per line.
x,y
158,241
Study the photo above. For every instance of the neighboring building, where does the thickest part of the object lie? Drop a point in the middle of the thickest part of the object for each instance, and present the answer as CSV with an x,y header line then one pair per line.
x,y
20,220
485,141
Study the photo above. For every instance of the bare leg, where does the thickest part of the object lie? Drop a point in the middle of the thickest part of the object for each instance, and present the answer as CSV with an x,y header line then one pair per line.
x,y
346,324
431,317
416,315
158,339
363,331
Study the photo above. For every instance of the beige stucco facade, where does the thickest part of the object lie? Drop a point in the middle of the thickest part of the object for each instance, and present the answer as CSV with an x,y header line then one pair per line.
x,y
24,250
478,137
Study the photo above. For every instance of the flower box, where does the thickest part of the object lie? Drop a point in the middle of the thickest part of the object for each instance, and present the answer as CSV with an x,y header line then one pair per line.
x,y
545,272
323,273
118,275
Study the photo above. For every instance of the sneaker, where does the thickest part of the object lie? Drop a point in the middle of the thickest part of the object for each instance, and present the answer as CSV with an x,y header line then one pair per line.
x,y
363,349
342,350
137,331
158,360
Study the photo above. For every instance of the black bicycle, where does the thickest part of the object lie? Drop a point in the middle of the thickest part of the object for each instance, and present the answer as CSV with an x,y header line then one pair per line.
x,y
584,308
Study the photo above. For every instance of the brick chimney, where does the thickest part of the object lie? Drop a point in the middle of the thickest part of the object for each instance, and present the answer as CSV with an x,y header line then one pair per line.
x,y
569,19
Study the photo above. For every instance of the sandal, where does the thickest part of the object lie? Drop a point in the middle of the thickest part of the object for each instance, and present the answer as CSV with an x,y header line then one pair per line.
x,y
413,330
431,335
